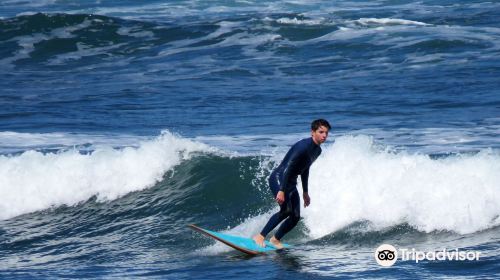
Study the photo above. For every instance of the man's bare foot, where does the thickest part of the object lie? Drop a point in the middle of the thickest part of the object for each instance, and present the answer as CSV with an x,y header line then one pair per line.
x,y
276,243
259,239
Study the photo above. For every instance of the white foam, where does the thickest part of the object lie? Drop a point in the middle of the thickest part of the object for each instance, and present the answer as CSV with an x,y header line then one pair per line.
x,y
36,181
353,180
388,21
135,32
296,21
344,34
18,142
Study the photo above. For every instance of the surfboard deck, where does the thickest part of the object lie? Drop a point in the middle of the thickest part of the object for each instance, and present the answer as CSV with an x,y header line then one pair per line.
x,y
242,244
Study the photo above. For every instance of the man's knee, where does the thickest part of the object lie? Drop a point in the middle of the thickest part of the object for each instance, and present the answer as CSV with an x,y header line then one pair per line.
x,y
292,214
295,216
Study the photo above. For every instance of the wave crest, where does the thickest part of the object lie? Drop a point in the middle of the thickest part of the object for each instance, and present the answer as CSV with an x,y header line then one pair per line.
x,y
34,181
356,181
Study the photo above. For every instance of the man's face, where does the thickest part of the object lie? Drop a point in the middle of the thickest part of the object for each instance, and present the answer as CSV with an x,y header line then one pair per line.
x,y
319,135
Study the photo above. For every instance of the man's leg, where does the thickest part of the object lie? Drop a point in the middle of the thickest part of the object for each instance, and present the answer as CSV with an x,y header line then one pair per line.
x,y
276,218
289,223
271,224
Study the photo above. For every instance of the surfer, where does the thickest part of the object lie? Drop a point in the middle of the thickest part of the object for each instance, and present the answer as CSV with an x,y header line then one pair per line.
x,y
283,183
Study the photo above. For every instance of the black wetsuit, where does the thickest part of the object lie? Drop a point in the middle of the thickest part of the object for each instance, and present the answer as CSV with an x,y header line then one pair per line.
x,y
284,178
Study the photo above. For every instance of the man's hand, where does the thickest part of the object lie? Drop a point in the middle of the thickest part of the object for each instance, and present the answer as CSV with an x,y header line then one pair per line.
x,y
307,199
280,197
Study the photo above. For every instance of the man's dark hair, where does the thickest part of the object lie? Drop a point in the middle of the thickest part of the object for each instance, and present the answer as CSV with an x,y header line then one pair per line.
x,y
320,122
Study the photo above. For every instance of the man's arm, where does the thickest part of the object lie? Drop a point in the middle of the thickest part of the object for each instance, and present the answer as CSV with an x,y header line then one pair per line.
x,y
293,160
305,180
305,186
280,197
290,166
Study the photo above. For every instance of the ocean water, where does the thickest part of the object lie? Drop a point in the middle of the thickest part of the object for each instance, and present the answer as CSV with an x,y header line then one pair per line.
x,y
121,122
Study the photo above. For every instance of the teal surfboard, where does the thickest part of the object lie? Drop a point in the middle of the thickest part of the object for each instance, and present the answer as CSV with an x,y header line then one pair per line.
x,y
243,244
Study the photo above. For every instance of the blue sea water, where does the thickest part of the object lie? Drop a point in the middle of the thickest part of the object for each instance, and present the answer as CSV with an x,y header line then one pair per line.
x,y
121,122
